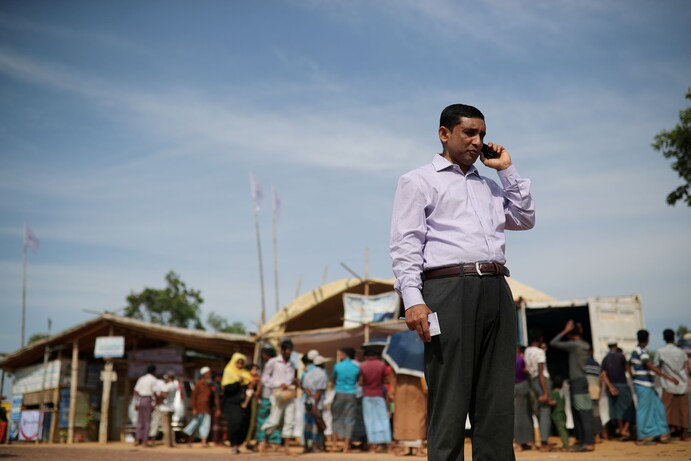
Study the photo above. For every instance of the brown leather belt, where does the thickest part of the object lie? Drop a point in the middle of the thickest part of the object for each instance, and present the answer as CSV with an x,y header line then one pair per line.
x,y
459,270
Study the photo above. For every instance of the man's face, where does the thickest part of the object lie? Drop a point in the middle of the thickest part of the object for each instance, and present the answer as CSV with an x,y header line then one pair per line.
x,y
285,353
463,143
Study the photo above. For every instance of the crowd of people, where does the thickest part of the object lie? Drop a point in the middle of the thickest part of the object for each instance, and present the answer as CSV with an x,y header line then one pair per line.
x,y
540,401
354,408
266,409
363,405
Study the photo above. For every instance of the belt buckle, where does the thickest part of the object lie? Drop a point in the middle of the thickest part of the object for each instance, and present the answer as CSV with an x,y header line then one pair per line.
x,y
477,269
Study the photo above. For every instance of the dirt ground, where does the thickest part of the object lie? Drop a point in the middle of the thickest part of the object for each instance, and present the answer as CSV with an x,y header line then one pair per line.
x,y
608,450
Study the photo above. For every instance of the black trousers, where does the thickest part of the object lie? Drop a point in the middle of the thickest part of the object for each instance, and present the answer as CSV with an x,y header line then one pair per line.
x,y
470,367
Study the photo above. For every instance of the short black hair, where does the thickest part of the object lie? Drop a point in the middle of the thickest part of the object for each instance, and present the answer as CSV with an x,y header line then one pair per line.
x,y
269,350
668,335
349,351
534,335
451,115
642,336
286,344
151,369
370,352
557,381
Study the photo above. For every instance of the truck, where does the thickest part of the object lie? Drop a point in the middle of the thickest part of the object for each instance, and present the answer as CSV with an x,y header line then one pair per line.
x,y
604,319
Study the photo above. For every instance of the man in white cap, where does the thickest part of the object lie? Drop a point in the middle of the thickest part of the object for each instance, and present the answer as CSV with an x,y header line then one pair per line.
x,y
312,354
314,386
201,408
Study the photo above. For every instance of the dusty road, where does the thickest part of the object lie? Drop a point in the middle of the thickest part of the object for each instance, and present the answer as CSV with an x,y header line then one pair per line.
x,y
610,451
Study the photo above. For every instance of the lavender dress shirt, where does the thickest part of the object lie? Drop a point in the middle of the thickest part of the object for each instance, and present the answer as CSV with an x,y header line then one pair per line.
x,y
442,217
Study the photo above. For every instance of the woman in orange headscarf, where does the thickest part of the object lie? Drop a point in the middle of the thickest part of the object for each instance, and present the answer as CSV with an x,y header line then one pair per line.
x,y
234,382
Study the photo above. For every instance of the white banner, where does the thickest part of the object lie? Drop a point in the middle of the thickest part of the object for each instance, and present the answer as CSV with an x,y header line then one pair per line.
x,y
109,346
360,309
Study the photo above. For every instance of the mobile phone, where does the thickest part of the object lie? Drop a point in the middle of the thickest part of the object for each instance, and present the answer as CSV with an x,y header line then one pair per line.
x,y
488,152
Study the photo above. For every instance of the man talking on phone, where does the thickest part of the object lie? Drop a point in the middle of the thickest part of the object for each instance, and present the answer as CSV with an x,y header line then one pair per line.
x,y
447,247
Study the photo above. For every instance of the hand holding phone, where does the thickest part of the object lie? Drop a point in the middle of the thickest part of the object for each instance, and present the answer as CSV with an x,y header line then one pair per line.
x,y
488,152
495,157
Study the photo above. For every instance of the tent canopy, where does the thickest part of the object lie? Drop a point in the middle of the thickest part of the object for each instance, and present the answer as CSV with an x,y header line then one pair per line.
x,y
320,308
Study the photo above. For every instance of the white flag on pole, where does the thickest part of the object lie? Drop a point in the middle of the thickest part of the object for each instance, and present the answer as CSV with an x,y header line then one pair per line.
x,y
256,192
275,202
30,239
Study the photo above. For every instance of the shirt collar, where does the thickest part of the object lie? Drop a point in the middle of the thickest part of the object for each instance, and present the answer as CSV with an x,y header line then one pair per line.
x,y
441,163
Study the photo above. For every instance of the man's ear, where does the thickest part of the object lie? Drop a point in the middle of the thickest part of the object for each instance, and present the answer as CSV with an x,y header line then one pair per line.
x,y
444,134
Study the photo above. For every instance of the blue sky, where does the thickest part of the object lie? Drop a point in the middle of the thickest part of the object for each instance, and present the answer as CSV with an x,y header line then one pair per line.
x,y
128,131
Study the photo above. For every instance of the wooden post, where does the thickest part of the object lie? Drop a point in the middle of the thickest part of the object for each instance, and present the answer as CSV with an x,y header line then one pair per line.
x,y
107,377
73,391
42,407
56,405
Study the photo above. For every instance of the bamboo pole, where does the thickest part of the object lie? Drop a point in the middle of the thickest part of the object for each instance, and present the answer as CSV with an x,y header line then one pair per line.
x,y
366,289
275,245
24,293
256,199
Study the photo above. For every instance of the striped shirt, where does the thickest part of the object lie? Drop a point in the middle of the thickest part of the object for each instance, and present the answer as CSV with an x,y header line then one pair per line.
x,y
641,374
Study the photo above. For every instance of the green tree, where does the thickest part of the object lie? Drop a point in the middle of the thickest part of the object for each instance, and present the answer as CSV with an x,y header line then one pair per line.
x,y
676,144
175,305
681,331
219,323
36,337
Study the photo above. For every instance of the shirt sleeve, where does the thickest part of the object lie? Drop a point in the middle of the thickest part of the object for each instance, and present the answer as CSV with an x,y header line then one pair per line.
x,y
266,374
563,345
408,230
518,202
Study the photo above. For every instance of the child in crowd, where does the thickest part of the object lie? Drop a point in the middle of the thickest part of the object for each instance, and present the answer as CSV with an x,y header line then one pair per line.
x,y
558,404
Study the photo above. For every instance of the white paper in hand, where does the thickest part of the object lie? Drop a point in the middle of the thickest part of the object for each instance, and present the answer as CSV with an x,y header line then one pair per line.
x,y
433,322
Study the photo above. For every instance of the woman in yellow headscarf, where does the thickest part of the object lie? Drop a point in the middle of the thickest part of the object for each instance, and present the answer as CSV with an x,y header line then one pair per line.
x,y
235,371
234,382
